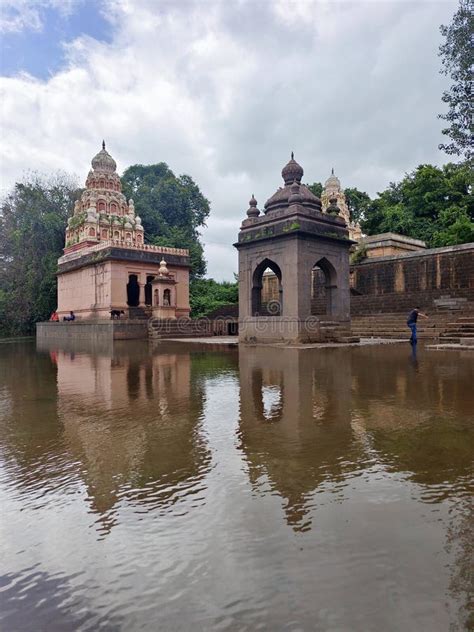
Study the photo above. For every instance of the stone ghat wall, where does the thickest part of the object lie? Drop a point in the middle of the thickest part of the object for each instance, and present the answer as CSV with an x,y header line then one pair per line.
x,y
430,279
92,330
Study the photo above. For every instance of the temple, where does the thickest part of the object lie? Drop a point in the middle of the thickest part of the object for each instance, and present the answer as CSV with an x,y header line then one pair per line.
x,y
106,263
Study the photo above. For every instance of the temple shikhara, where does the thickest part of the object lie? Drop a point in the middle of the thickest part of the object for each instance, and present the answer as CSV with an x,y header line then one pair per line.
x,y
106,264
334,194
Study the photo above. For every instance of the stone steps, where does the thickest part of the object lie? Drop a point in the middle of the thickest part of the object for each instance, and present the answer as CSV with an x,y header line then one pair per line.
x,y
162,329
393,325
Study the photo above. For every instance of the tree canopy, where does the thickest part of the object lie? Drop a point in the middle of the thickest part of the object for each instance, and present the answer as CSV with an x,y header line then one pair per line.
x,y
430,203
172,209
358,203
206,295
457,58
316,188
32,223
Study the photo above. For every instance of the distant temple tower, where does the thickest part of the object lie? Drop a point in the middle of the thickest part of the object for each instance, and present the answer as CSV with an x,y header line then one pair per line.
x,y
106,264
333,191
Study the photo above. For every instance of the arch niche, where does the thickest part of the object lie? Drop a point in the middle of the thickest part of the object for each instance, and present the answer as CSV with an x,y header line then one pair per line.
x,y
267,289
323,286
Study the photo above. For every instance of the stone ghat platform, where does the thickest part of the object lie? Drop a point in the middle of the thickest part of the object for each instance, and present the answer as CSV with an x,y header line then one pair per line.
x,y
124,329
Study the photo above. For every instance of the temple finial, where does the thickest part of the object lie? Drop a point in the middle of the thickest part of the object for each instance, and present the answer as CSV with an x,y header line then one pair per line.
x,y
103,144
292,156
332,171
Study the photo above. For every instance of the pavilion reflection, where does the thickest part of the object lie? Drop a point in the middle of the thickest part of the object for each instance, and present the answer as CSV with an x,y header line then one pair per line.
x,y
295,423
131,418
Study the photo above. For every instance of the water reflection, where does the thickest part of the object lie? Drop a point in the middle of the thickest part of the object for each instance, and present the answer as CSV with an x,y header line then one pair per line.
x,y
305,438
178,487
336,412
126,421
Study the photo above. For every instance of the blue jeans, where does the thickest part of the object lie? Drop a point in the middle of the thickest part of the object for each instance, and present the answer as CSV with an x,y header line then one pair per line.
x,y
413,332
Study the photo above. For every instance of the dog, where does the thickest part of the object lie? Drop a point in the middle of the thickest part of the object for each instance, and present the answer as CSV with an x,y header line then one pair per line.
x,y
116,313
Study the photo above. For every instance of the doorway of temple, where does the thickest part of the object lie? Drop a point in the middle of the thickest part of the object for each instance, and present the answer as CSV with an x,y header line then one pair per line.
x,y
133,291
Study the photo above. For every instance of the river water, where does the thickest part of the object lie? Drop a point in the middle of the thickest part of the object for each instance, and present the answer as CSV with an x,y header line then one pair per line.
x,y
183,487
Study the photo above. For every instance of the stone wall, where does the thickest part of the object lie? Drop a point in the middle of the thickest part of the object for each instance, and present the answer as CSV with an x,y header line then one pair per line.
x,y
428,278
90,330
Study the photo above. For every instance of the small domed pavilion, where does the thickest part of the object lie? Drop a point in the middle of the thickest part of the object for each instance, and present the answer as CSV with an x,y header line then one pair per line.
x,y
291,238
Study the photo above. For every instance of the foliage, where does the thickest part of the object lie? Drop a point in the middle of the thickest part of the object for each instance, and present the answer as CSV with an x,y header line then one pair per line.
x,y
431,203
457,58
172,208
33,219
359,254
358,203
316,188
206,295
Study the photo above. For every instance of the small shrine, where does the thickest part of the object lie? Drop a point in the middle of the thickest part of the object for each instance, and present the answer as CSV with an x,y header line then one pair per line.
x,y
107,268
279,252
164,293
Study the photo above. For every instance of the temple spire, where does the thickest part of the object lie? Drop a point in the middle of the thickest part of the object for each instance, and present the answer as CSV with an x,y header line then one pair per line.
x,y
292,156
332,171
103,144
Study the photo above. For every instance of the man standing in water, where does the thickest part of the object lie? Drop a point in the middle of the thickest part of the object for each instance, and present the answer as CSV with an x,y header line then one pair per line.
x,y
411,322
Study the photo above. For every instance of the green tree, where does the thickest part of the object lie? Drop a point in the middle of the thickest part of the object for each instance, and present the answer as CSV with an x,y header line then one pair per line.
x,y
316,188
206,295
172,209
457,58
33,219
358,203
425,204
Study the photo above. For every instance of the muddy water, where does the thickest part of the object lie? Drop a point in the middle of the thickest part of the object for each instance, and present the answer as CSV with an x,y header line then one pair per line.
x,y
190,488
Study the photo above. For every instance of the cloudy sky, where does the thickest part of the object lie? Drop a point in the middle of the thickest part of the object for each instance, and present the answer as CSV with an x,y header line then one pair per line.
x,y
223,90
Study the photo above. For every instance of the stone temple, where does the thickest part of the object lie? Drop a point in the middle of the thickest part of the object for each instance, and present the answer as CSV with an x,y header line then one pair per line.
x,y
106,264
291,240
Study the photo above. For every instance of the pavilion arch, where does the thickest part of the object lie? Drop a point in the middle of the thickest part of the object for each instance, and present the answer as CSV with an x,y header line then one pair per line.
x,y
323,286
267,289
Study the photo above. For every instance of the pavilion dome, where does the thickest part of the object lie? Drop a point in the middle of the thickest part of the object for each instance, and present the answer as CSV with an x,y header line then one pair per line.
x,y
292,171
103,161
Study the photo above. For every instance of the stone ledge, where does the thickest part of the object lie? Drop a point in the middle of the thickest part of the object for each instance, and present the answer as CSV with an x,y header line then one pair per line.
x,y
429,252
93,329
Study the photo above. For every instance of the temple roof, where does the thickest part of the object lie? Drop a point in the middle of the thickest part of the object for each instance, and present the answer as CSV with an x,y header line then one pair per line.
x,y
292,171
103,161
333,182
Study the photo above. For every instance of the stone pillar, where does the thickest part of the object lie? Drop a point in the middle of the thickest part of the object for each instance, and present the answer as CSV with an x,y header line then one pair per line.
x,y
142,283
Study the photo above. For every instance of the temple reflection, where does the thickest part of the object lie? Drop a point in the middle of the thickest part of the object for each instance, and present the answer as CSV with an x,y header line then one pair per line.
x,y
127,418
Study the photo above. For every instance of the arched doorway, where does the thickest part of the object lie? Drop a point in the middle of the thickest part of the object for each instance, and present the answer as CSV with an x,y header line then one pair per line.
x,y
267,290
133,291
323,284
149,290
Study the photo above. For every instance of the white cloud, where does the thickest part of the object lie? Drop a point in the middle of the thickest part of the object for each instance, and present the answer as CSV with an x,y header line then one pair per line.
x,y
225,90
28,15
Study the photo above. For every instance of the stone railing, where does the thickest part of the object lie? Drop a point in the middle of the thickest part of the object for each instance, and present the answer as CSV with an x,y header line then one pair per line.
x,y
117,243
